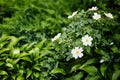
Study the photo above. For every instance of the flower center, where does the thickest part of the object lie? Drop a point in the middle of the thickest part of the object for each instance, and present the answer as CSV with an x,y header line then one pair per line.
x,y
87,40
77,52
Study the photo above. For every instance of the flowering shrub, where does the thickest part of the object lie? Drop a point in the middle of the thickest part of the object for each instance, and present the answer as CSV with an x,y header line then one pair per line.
x,y
87,48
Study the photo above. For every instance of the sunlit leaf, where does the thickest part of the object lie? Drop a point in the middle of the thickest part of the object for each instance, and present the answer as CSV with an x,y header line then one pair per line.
x,y
40,44
58,70
20,78
29,72
2,72
9,65
26,59
91,70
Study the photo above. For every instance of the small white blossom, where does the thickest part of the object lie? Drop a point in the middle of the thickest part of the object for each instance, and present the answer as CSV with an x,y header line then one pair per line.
x,y
109,15
77,52
93,8
64,28
87,40
96,16
73,14
111,43
56,37
102,60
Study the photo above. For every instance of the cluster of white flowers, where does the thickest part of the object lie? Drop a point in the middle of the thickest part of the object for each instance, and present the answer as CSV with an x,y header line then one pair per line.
x,y
87,40
77,52
56,37
73,14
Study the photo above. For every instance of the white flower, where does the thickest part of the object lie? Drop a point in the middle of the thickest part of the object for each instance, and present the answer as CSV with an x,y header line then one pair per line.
x,y
87,40
56,37
93,8
73,14
109,15
64,28
111,43
77,52
96,16
102,60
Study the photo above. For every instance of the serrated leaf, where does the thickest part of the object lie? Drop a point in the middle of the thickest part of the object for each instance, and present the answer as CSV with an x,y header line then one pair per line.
x,y
58,70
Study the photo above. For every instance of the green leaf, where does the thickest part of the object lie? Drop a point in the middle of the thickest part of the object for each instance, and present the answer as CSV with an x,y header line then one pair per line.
x,y
96,77
9,65
88,62
40,44
20,78
2,72
36,74
29,47
75,67
26,58
91,70
103,68
14,41
1,63
58,70
100,51
4,50
114,49
36,67
23,47
116,75
23,54
77,76
29,72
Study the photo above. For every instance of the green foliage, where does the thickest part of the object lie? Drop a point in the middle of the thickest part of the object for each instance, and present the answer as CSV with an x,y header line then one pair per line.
x,y
21,62
99,57
28,53
34,18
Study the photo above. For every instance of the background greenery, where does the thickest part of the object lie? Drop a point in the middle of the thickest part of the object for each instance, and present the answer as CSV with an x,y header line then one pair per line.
x,y
26,50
